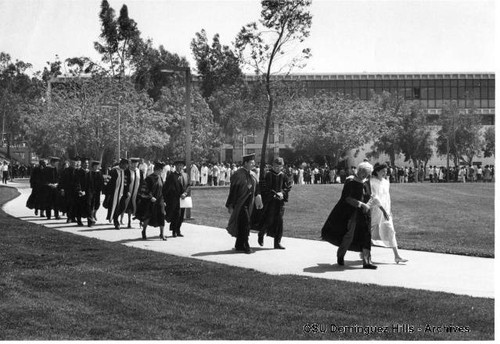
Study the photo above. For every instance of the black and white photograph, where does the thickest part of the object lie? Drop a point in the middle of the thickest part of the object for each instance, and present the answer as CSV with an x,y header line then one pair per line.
x,y
247,170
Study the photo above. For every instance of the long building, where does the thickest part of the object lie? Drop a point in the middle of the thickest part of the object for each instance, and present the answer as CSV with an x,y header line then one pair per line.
x,y
431,90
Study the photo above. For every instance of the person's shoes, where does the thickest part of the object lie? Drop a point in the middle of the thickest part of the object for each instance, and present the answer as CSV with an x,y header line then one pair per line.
x,y
340,260
79,223
162,237
260,240
248,250
180,235
144,235
239,249
36,211
174,235
400,260
279,247
58,217
369,266
117,224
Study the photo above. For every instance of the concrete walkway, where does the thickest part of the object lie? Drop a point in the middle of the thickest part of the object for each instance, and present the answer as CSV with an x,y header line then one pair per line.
x,y
429,271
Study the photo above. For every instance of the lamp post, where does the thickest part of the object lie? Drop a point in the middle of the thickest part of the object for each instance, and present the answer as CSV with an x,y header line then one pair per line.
x,y
187,100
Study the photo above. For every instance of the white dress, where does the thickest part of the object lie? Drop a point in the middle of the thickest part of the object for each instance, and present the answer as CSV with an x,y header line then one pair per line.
x,y
383,233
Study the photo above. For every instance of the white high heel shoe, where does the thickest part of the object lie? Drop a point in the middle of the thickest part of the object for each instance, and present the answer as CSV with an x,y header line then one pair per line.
x,y
400,260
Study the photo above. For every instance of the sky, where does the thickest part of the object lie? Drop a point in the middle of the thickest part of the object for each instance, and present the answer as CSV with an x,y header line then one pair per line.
x,y
350,36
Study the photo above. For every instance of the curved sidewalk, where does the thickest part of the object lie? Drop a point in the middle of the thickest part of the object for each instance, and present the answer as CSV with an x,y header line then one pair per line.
x,y
428,271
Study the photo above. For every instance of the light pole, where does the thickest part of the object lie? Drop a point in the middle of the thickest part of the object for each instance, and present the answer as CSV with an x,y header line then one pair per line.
x,y
187,100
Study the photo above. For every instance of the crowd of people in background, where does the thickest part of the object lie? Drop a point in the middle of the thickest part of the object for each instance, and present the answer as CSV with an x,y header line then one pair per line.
x,y
219,174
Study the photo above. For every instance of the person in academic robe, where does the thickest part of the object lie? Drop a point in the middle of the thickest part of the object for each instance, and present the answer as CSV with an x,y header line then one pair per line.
x,y
50,178
95,185
36,180
117,192
67,188
134,179
82,187
349,226
243,193
274,190
151,206
176,187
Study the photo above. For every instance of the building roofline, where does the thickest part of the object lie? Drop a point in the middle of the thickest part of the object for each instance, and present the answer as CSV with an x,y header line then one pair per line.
x,y
377,76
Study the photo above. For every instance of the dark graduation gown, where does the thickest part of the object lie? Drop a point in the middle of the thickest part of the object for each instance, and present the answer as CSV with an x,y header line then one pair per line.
x,y
50,175
271,221
336,226
242,191
146,209
82,184
35,199
175,185
95,186
67,183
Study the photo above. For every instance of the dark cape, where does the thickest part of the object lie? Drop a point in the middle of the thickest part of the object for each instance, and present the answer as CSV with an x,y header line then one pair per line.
x,y
35,199
154,213
242,190
345,212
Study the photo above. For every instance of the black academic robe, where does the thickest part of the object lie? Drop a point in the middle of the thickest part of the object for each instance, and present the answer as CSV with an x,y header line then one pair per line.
x,y
242,192
271,221
50,178
36,180
147,211
67,183
346,210
175,185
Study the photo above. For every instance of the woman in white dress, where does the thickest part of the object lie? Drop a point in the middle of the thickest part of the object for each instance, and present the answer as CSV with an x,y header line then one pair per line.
x,y
383,233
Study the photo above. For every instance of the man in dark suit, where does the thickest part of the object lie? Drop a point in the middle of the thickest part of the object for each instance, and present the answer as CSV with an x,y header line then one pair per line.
x,y
176,187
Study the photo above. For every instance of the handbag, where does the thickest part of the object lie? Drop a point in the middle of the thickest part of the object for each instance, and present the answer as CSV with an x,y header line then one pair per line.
x,y
186,202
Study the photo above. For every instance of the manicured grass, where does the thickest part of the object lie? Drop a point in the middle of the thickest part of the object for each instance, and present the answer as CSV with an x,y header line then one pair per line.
x,y
60,286
448,218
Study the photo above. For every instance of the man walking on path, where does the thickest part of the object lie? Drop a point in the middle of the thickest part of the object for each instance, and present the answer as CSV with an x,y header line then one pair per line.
x,y
243,193
274,192
176,187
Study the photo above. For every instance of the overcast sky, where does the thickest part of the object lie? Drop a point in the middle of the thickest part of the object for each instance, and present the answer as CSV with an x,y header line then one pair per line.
x,y
353,36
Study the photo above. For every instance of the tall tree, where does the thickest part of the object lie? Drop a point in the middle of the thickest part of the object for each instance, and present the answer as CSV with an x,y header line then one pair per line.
x,y
460,132
284,25
17,91
217,64
390,109
82,117
331,125
414,136
120,39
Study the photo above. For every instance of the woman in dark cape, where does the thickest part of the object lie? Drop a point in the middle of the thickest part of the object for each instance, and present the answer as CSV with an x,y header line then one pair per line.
x,y
151,207
348,225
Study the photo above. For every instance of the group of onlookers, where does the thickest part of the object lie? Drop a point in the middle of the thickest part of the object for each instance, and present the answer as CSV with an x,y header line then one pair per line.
x,y
13,170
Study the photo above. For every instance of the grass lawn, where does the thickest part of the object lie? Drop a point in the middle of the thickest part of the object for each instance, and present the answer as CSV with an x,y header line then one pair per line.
x,y
448,218
60,286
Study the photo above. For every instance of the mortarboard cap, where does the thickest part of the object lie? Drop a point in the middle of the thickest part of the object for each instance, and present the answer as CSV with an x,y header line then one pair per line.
x,y
123,161
248,157
54,159
135,159
158,165
278,161
180,162
95,162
